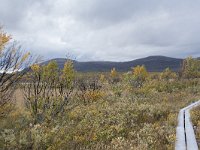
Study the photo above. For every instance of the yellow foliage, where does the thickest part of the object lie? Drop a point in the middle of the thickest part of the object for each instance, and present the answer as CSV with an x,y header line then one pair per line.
x,y
4,39
191,68
50,72
93,95
140,72
168,74
79,138
102,78
68,73
113,73
140,75
35,68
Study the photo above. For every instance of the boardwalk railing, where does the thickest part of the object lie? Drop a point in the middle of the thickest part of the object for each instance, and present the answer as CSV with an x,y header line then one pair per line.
x,y
185,136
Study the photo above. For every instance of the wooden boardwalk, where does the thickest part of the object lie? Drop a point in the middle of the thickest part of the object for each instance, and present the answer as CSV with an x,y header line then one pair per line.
x,y
185,136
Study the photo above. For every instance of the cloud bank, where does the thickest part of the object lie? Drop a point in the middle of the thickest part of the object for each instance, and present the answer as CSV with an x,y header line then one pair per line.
x,y
116,30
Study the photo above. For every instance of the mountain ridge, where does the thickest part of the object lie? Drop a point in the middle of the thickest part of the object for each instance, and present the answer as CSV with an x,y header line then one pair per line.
x,y
152,63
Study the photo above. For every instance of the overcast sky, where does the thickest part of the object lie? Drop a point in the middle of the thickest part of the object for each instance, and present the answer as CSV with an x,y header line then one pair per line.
x,y
104,29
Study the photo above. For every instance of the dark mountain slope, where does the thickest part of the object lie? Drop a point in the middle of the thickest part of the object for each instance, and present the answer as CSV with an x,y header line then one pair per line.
x,y
152,63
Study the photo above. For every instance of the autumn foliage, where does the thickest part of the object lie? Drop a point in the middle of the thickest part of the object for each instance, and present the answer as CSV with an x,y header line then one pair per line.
x,y
190,68
65,109
12,60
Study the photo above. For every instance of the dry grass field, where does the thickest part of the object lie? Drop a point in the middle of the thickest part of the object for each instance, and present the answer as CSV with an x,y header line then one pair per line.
x,y
19,98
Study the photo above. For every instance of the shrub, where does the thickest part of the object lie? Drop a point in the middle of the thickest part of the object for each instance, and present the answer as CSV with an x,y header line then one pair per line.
x,y
114,77
89,90
140,75
167,74
190,68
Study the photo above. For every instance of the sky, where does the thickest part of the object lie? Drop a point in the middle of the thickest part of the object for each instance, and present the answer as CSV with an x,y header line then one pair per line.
x,y
111,30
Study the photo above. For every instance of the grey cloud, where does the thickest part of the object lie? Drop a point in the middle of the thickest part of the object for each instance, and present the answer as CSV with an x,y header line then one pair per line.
x,y
12,12
104,29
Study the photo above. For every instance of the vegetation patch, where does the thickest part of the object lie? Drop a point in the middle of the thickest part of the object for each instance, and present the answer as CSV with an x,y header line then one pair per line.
x,y
65,109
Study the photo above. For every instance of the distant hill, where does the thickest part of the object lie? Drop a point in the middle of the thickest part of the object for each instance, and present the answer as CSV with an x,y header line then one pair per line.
x,y
152,63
